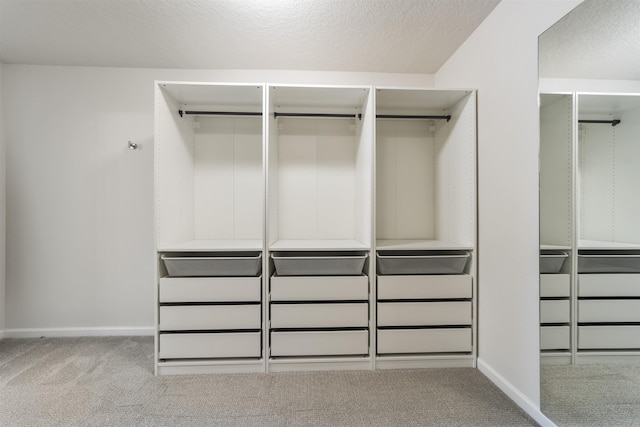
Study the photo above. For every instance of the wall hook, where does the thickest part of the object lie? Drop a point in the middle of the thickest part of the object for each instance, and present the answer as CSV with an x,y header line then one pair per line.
x,y
133,146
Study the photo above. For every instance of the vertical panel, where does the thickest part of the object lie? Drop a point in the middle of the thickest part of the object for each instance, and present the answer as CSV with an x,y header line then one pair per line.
x,y
626,227
386,181
248,179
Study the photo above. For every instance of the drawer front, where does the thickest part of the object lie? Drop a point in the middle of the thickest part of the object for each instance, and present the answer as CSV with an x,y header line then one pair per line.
x,y
555,285
218,345
555,311
608,311
609,285
424,287
608,337
320,343
424,313
210,289
317,288
555,338
398,341
210,317
341,315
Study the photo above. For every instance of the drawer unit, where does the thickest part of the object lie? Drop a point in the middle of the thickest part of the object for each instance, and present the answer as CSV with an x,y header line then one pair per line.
x,y
210,317
609,285
555,311
555,338
424,287
320,343
318,288
607,337
555,285
209,289
209,345
424,313
437,340
608,311
328,315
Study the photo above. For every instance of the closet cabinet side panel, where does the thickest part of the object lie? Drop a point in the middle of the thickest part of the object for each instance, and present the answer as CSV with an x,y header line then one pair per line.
x,y
364,174
455,171
272,194
556,135
174,170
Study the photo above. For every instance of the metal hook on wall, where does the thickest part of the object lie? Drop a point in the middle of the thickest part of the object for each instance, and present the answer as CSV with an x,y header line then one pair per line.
x,y
133,146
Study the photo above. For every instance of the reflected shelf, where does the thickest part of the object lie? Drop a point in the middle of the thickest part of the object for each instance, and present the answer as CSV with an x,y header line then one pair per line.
x,y
214,245
303,245
419,244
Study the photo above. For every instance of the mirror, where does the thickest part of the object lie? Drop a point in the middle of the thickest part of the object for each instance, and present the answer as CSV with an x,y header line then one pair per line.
x,y
589,215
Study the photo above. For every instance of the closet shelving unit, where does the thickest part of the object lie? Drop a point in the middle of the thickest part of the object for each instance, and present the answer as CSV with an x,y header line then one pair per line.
x,y
319,204
425,221
209,186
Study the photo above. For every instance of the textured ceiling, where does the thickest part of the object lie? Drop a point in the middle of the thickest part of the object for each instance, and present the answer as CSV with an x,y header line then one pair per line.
x,y
599,39
404,36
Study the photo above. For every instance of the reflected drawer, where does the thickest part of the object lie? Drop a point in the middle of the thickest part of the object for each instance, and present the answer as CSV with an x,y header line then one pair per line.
x,y
424,313
608,311
609,285
320,343
424,287
440,340
341,315
555,285
555,311
318,288
209,345
608,337
555,338
209,289
210,317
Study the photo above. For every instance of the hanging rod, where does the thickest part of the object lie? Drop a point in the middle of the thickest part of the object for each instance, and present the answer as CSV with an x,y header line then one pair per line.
x,y
343,116
396,116
220,113
612,122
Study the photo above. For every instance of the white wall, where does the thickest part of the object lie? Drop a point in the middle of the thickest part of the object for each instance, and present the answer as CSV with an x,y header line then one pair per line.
x,y
2,214
500,59
80,241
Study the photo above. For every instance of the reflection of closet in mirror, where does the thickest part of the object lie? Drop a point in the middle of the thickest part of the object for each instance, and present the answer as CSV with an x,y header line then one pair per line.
x,y
556,226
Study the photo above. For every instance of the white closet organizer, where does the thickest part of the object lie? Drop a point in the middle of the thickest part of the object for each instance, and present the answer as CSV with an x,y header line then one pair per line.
x,y
209,227
319,198
425,228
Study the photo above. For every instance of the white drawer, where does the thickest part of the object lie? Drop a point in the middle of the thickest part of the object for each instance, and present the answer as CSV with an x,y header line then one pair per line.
x,y
320,343
424,313
340,315
211,345
440,340
555,311
424,287
608,311
555,338
555,285
609,285
210,289
608,337
210,317
318,288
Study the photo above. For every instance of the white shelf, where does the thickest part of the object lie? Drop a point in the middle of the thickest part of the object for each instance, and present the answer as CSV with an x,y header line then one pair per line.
x,y
214,245
545,247
597,244
310,245
420,245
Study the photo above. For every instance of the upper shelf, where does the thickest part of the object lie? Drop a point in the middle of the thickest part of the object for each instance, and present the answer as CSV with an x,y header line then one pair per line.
x,y
309,245
419,245
597,244
214,245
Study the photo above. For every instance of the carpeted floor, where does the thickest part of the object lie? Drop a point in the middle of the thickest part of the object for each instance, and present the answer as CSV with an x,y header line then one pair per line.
x,y
110,382
591,395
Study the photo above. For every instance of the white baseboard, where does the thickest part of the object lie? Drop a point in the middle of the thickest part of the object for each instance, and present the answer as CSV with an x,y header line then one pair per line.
x,y
514,394
78,332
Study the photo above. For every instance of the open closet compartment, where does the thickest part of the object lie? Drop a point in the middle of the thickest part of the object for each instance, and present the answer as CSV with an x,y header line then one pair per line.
x,y
608,260
425,227
209,195
319,226
557,300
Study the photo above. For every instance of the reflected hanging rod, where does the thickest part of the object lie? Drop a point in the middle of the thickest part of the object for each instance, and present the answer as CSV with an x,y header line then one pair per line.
x,y
400,116
339,116
220,113
612,122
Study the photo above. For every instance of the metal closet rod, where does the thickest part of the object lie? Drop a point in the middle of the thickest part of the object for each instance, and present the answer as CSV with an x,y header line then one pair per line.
x,y
400,116
220,113
612,122
340,116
